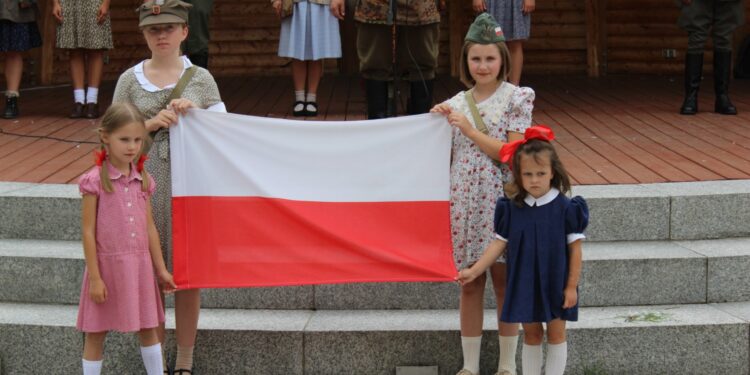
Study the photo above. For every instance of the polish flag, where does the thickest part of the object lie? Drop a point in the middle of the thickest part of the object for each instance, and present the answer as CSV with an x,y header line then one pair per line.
x,y
270,202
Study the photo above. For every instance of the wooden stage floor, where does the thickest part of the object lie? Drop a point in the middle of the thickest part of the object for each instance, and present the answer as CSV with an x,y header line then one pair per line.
x,y
611,130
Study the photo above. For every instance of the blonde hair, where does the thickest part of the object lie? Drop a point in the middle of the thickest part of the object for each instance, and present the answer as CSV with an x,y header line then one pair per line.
x,y
464,73
117,116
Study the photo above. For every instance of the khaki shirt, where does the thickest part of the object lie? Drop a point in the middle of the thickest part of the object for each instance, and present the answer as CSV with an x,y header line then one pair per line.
x,y
408,12
11,11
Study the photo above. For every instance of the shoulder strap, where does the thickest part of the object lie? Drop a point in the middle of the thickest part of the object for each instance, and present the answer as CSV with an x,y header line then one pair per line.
x,y
176,93
182,83
478,122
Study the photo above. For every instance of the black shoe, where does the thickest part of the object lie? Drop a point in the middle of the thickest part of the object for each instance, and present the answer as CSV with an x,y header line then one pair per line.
x,y
183,371
311,109
377,99
420,97
301,112
11,107
77,111
693,71
91,110
722,68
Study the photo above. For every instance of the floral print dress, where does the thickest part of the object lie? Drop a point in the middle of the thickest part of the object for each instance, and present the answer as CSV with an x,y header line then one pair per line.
x,y
476,182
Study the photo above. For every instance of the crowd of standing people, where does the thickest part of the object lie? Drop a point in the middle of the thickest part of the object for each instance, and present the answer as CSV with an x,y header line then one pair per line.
x,y
499,160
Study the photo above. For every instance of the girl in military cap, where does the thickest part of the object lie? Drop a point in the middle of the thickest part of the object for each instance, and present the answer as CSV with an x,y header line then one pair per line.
x,y
154,86
491,113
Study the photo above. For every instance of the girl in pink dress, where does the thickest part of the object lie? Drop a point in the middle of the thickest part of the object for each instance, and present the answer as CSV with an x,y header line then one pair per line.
x,y
120,244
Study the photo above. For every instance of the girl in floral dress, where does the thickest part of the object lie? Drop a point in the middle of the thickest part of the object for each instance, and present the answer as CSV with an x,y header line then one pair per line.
x,y
503,112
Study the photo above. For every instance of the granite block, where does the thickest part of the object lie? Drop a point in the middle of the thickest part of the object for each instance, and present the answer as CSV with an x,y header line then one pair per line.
x,y
41,211
56,281
690,339
740,310
282,298
229,341
376,342
728,264
250,341
710,216
51,218
625,212
9,187
367,296
614,340
641,273
40,271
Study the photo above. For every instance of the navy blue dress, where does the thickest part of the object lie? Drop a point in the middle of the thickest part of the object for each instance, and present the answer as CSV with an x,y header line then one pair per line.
x,y
537,253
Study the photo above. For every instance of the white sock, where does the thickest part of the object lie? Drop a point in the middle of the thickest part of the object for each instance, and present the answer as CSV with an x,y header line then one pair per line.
x,y
11,94
299,96
184,358
507,361
79,95
92,94
531,359
557,357
152,359
472,347
92,367
311,97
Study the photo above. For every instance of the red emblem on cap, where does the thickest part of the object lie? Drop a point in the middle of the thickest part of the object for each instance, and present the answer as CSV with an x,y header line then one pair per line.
x,y
156,10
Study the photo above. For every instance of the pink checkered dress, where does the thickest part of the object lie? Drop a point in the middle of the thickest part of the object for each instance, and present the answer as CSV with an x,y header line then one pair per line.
x,y
133,302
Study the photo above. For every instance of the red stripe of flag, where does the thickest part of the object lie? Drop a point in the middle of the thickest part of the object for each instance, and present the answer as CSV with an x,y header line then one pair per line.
x,y
224,242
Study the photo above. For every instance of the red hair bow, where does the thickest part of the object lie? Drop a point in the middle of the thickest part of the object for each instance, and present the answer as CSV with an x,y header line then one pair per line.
x,y
541,132
99,157
141,160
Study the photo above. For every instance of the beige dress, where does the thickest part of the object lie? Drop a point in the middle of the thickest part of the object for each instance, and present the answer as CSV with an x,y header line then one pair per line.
x,y
79,28
133,87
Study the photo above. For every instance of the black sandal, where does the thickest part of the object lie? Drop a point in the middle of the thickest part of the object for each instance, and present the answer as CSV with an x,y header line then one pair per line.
x,y
314,105
182,371
301,112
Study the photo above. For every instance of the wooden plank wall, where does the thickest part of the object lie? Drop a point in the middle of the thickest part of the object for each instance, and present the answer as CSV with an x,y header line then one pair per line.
x,y
558,38
639,31
632,36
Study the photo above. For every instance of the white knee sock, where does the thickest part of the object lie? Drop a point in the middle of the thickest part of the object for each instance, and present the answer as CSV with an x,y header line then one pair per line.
x,y
472,347
92,95
531,359
92,367
79,96
152,359
508,347
557,357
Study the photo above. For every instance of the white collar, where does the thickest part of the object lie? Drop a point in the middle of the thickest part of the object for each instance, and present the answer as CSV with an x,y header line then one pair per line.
x,y
544,199
150,87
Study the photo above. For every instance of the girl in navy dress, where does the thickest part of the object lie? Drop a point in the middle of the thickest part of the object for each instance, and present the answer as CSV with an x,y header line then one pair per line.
x,y
539,230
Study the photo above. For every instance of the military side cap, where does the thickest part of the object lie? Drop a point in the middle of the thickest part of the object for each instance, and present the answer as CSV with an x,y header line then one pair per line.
x,y
158,12
484,30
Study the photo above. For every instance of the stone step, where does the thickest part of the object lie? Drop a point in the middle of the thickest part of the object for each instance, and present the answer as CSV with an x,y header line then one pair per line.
x,y
665,339
614,273
677,211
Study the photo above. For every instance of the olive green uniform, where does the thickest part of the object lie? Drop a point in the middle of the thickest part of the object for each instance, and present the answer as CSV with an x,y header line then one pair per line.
x,y
196,45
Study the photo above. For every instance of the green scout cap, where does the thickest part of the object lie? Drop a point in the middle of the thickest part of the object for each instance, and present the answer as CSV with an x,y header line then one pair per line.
x,y
158,12
484,30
